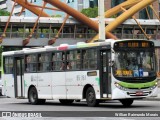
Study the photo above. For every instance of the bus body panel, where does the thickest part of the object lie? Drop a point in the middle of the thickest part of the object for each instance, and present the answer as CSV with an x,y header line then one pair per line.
x,y
8,85
74,84
19,92
30,79
76,81
44,85
58,85
3,85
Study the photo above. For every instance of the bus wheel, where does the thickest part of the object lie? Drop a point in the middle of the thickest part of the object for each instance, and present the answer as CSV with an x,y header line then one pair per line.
x,y
66,102
91,97
126,102
33,96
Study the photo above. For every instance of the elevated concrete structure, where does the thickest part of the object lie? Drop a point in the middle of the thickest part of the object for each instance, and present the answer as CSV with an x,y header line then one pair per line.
x,y
73,31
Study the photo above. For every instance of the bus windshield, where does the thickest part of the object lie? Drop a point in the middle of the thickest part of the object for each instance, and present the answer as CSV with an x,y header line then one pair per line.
x,y
134,63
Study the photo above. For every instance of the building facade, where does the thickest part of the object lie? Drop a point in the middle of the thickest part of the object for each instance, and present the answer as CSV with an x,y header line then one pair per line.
x,y
141,14
78,5
7,5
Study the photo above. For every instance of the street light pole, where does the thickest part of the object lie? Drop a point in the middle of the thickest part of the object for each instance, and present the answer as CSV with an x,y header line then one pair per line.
x,y
101,19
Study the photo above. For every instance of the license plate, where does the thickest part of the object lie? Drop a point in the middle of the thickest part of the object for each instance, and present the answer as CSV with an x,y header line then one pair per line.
x,y
139,93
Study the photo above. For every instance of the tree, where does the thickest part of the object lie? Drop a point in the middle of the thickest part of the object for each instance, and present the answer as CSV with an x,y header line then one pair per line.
x,y
90,12
4,13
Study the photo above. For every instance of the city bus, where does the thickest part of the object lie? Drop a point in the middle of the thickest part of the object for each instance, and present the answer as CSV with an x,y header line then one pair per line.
x,y
123,70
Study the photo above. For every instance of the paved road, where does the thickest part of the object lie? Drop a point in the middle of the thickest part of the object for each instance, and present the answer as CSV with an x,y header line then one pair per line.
x,y
80,109
13,104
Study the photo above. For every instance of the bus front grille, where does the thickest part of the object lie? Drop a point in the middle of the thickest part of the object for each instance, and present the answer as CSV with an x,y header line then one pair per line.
x,y
142,93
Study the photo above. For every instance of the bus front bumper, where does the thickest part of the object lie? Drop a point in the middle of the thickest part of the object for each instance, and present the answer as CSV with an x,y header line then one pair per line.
x,y
134,94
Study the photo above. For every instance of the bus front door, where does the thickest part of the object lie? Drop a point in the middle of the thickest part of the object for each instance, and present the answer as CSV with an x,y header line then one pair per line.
x,y
18,77
105,74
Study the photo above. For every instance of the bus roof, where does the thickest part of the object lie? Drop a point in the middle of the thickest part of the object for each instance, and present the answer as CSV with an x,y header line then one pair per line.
x,y
63,47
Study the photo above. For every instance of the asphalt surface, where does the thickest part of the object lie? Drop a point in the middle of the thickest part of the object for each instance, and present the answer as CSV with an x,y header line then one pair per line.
x,y
79,110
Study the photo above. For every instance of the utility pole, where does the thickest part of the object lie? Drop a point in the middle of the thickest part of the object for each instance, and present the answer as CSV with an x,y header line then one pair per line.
x,y
101,19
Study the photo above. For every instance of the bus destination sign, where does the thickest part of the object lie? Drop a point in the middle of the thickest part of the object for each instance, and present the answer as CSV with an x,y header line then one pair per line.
x,y
133,44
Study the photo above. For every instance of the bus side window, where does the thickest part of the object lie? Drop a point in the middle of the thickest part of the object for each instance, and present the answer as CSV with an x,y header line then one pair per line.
x,y
27,66
63,66
89,58
33,63
70,60
40,60
8,65
59,61
69,66
44,62
93,59
53,61
78,60
84,58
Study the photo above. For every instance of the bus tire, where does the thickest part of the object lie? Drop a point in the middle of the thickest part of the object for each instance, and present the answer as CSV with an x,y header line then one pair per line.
x,y
66,102
91,97
33,96
126,102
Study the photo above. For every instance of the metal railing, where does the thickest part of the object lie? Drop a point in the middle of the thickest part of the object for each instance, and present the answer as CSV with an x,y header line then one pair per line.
x,y
75,35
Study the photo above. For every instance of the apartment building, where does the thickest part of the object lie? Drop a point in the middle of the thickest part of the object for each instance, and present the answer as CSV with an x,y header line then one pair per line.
x,y
7,5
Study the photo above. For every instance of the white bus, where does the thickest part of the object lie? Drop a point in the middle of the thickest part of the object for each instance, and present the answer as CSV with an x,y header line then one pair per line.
x,y
122,70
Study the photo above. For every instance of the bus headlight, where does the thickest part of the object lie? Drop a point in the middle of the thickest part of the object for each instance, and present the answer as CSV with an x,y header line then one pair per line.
x,y
119,86
151,88
155,85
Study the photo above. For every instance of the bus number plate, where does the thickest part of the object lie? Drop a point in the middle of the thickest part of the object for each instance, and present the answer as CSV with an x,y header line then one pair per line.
x,y
139,93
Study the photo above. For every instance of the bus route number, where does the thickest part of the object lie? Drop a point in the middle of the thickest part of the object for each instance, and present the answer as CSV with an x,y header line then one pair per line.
x,y
81,77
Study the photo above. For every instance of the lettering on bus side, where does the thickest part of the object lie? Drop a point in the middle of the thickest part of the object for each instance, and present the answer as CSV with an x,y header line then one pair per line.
x,y
33,78
81,77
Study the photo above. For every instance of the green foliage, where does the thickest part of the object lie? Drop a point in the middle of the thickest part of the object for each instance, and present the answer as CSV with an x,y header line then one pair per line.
x,y
90,12
4,13
56,16
114,16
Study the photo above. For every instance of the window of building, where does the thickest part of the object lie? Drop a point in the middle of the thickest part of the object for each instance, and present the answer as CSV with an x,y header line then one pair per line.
x,y
143,13
80,1
115,3
93,3
33,1
69,1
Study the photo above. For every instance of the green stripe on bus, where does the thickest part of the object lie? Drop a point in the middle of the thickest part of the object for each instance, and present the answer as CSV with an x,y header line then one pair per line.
x,y
138,85
25,83
2,70
97,79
